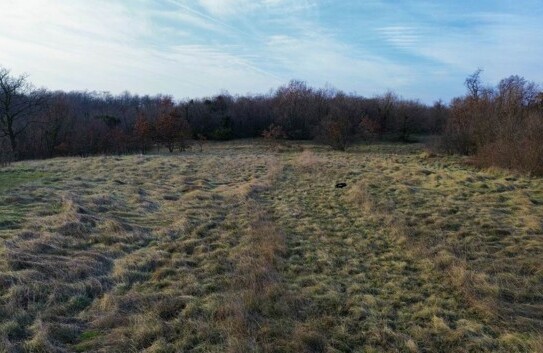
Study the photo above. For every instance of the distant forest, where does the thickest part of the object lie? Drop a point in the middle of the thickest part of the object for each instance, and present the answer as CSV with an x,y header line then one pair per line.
x,y
500,125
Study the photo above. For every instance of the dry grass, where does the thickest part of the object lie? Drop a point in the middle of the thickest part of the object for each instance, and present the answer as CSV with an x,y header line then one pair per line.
x,y
481,231
521,154
252,307
245,250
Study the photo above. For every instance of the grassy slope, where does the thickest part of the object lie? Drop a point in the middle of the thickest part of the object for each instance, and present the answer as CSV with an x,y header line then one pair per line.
x,y
238,249
13,209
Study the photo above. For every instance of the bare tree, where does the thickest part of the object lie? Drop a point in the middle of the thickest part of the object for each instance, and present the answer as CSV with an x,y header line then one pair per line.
x,y
18,100
439,113
294,110
409,119
54,121
473,84
5,156
173,130
143,132
338,127
386,109
200,141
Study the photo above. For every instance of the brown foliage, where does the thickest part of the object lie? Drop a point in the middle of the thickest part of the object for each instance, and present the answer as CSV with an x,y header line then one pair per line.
x,y
368,127
500,127
172,129
274,132
274,135
336,133
143,133
524,154
89,123
54,121
338,127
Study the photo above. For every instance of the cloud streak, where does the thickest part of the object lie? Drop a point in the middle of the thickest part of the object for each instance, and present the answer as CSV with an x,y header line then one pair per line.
x,y
191,48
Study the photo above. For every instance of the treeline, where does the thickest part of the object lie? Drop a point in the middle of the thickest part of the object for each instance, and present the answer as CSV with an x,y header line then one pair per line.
x,y
42,124
500,125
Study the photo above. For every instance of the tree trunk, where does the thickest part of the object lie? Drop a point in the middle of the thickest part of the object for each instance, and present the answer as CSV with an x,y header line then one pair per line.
x,y
12,140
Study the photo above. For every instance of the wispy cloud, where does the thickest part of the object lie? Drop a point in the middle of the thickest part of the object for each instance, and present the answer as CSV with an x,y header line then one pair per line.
x,y
104,47
224,8
420,48
400,36
502,44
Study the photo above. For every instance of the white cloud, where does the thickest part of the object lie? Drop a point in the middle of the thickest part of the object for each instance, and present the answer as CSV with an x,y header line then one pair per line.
x,y
320,59
501,44
400,36
225,8
104,46
192,48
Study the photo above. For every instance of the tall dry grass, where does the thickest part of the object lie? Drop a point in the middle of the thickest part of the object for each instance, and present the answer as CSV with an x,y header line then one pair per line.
x,y
253,306
475,230
243,250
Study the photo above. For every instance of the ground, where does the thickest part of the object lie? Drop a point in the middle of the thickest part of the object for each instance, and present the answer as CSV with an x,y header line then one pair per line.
x,y
244,248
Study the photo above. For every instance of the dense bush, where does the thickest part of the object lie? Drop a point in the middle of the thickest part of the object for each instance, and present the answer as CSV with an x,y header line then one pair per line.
x,y
522,150
500,126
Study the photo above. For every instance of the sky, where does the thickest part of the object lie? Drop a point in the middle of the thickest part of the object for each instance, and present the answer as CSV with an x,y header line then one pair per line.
x,y
420,49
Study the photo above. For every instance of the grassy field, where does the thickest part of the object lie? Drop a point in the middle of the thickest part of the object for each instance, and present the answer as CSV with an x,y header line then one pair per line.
x,y
241,249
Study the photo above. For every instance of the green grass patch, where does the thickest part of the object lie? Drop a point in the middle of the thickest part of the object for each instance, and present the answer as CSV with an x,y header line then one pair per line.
x,y
12,209
89,335
10,179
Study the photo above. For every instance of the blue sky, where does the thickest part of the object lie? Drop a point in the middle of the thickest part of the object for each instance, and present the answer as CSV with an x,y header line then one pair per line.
x,y
419,49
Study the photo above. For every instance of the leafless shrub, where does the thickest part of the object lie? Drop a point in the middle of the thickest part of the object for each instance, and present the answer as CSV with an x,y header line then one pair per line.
x,y
368,128
525,155
275,136
200,141
501,127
